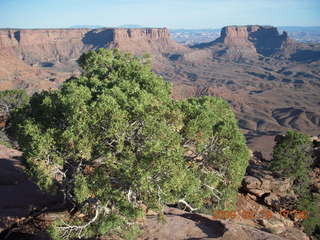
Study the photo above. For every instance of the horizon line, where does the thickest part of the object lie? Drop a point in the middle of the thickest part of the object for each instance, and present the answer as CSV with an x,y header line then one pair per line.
x,y
144,27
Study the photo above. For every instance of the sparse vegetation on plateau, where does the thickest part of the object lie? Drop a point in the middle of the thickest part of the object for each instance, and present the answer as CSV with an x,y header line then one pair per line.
x,y
113,140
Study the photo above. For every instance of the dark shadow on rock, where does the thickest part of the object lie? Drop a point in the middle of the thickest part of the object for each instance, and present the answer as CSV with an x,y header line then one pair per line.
x,y
305,56
16,189
98,38
26,236
212,228
204,45
20,197
258,155
268,40
19,236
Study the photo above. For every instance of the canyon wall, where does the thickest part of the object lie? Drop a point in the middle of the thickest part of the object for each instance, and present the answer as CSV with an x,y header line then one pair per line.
x,y
43,58
36,46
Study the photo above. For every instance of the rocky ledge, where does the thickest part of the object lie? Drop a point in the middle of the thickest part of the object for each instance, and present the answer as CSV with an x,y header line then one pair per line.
x,y
23,214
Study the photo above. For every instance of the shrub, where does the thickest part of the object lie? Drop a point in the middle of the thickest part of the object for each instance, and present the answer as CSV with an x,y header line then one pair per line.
x,y
9,101
310,203
113,139
292,157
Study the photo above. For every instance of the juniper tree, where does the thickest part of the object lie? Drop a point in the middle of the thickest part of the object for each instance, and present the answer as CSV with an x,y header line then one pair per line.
x,y
114,139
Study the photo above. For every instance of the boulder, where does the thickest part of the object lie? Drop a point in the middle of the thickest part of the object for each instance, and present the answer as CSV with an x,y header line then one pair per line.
x,y
262,183
273,226
272,200
254,185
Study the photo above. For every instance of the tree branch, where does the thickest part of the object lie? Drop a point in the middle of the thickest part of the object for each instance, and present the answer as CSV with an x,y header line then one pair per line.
x,y
187,205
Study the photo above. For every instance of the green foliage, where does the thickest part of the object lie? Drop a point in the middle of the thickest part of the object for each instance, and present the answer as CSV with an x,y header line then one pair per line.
x,y
113,139
311,204
10,100
292,157
4,140
211,132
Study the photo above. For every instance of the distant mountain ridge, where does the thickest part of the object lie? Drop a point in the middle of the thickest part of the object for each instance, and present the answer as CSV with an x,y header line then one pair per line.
x,y
101,26
87,26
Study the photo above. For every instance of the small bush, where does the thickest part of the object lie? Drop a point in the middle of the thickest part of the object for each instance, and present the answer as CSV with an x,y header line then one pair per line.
x,y
292,155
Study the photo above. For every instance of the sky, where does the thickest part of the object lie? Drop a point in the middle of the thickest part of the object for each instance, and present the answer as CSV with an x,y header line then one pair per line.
x,y
188,14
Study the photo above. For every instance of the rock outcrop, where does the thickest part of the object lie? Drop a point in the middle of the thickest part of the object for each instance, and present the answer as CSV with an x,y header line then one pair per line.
x,y
263,189
262,184
21,201
145,40
183,225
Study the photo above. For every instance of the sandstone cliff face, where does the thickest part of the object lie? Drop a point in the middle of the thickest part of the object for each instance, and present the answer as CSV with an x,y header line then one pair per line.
x,y
36,46
141,34
61,45
41,58
139,41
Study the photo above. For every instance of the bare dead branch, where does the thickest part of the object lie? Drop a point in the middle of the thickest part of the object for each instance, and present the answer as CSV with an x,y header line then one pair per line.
x,y
187,205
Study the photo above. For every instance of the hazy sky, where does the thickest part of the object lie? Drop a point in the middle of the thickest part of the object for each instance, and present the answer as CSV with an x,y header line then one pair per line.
x,y
158,13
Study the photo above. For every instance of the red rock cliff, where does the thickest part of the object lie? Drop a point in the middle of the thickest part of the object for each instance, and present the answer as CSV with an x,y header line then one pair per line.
x,y
139,34
28,54
46,45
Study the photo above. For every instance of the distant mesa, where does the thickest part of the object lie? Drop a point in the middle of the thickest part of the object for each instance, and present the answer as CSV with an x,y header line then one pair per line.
x,y
248,41
265,39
